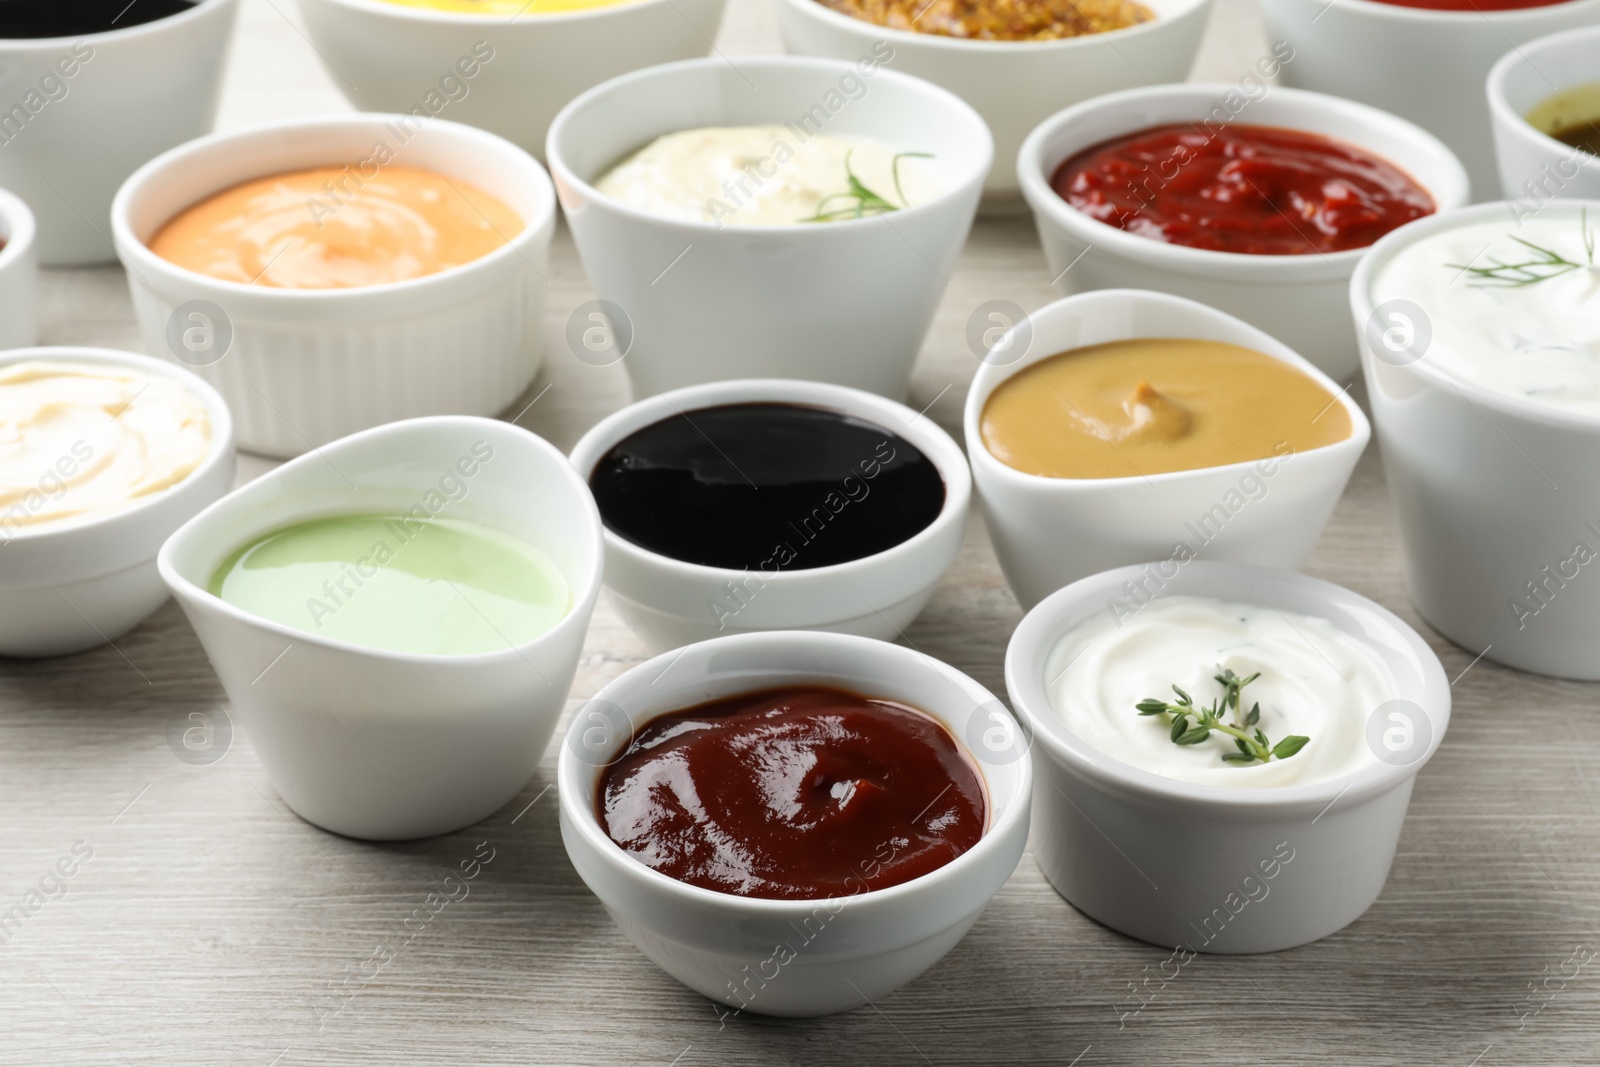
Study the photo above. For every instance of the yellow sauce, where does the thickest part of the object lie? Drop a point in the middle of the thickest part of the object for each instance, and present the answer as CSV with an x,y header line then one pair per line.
x,y
1571,116
1156,405
330,228
508,7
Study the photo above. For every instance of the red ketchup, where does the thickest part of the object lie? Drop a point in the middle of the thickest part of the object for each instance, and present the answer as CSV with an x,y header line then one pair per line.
x,y
800,793
1255,190
1473,5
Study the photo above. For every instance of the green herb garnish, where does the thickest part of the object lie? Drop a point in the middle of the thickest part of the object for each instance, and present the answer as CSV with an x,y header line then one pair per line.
x,y
861,201
1546,264
1252,747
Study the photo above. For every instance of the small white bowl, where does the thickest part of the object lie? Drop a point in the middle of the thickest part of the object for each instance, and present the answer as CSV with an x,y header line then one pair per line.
x,y
1049,532
95,107
1299,299
508,74
19,274
1425,66
388,745
1491,490
1167,861
1533,166
846,951
308,366
669,602
1014,85
75,584
847,302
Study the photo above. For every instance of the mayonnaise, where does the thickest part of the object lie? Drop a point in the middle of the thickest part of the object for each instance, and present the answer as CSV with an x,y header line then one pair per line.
x,y
1539,341
1316,681
765,176
85,439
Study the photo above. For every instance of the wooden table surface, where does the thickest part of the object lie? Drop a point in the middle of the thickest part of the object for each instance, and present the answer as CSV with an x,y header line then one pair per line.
x,y
209,925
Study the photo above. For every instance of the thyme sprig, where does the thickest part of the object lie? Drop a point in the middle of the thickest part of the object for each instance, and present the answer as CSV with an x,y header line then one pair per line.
x,y
1547,263
861,201
1253,747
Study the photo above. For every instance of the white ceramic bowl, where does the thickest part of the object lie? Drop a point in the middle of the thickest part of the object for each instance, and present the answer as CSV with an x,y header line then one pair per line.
x,y
94,108
1014,85
508,74
1492,492
1425,66
76,584
847,302
846,951
669,602
19,274
388,745
308,366
1049,532
1533,166
1298,299
1204,867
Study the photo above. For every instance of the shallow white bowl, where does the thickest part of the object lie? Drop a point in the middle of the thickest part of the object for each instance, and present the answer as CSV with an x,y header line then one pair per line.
x,y
389,745
1425,66
669,602
508,74
1533,166
1166,861
76,584
19,274
847,951
130,94
308,366
1491,491
1014,85
847,302
1049,532
1297,299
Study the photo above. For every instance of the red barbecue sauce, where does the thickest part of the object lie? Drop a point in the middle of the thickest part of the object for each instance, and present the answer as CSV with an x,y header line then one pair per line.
x,y
1473,5
1255,190
799,793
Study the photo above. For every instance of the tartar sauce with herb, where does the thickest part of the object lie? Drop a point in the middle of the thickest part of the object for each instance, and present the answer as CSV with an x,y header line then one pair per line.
x,y
769,176
1520,319
1312,682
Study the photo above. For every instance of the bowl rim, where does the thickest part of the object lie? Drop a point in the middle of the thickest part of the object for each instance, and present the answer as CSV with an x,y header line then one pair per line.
x,y
184,588
573,777
1035,639
19,227
932,441
1362,307
407,13
136,254
219,451
122,33
991,376
941,42
1506,116
567,177
1229,266
1402,13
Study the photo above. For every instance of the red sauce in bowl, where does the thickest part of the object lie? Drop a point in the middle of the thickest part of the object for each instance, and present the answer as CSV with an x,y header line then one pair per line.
x,y
799,793
1473,5
1254,190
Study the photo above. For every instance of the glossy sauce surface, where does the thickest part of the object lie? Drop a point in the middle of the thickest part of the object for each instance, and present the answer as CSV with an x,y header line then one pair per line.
x,y
1472,6
768,486
72,18
1255,190
798,793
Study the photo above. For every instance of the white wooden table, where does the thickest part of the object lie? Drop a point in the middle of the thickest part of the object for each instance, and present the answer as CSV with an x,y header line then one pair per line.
x,y
210,926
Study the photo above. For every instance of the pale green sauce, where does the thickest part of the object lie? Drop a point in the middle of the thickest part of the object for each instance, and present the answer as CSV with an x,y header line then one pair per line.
x,y
438,586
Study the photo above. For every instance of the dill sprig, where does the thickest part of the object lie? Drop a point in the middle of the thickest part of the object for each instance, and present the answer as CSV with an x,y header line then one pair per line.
x,y
1253,747
861,201
1546,264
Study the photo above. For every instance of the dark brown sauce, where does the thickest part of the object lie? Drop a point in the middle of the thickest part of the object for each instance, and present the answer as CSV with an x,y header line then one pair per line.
x,y
23,19
1584,135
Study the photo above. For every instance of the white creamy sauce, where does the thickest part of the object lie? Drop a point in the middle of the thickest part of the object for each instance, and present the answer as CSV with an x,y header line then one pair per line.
x,y
764,176
1539,341
1315,681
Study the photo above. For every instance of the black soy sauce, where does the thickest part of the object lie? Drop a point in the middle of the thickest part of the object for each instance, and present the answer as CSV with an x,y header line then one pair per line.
x,y
22,19
766,487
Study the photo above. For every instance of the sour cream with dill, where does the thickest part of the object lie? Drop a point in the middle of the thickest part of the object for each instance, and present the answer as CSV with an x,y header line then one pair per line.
x,y
1315,681
1500,318
769,176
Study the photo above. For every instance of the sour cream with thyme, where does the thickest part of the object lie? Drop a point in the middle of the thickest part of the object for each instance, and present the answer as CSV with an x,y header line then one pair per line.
x,y
768,176
1539,341
1316,681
